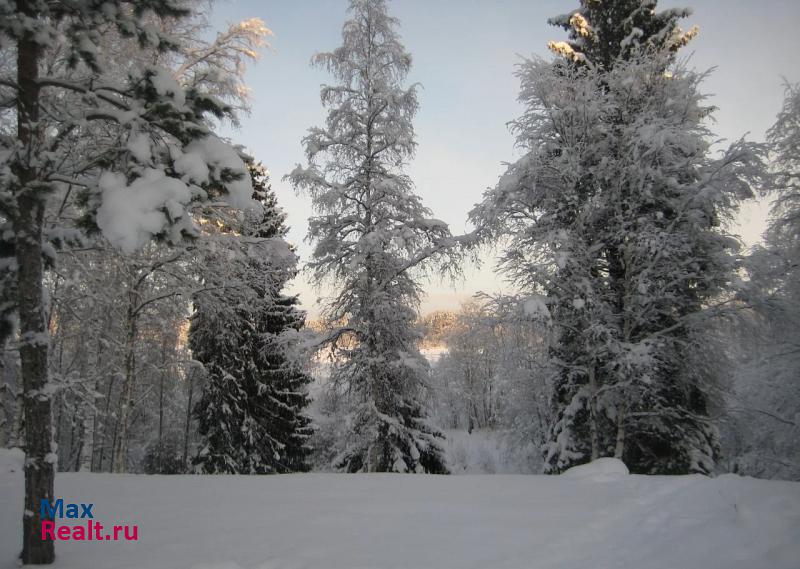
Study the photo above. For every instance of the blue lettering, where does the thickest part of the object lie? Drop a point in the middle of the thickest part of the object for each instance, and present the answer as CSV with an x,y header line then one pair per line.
x,y
48,511
56,509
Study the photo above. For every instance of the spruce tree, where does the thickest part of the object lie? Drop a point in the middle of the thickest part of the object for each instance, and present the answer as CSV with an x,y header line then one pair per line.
x,y
603,35
372,235
614,214
603,32
251,411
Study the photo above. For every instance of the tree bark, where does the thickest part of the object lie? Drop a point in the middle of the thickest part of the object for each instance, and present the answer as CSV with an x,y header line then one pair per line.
x,y
188,418
593,430
161,404
7,419
18,430
34,337
107,437
619,449
92,425
120,459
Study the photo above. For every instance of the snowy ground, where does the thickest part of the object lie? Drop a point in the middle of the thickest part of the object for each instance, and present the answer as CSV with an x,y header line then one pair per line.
x,y
594,518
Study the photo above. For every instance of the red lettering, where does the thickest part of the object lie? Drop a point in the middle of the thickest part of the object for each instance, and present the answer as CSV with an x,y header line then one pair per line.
x,y
63,533
134,535
79,534
117,529
48,527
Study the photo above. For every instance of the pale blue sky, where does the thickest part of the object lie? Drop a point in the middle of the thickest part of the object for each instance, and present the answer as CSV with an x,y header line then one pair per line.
x,y
464,56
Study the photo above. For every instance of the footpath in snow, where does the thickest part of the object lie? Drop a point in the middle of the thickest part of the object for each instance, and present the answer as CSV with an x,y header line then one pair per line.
x,y
594,517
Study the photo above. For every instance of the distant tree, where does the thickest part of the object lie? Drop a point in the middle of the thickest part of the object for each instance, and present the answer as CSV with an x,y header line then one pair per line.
x,y
783,236
762,430
372,235
251,412
163,457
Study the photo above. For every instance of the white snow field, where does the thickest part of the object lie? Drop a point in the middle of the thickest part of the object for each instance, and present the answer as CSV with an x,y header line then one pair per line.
x,y
595,518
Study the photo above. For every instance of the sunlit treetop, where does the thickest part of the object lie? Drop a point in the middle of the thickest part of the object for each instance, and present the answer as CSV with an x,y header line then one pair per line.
x,y
602,31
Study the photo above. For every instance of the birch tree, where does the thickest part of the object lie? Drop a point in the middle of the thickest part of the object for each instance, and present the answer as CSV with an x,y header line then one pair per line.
x,y
372,236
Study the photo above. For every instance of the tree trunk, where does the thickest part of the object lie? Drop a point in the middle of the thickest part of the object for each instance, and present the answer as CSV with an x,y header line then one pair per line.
x,y
91,435
76,441
18,430
34,337
188,419
119,462
56,409
7,420
161,404
619,449
592,402
108,437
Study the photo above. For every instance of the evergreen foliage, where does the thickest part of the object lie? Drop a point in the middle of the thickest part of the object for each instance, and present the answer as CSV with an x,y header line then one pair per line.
x,y
603,32
251,411
615,215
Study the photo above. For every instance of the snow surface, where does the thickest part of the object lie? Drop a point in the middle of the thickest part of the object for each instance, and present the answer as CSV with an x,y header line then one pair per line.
x,y
336,521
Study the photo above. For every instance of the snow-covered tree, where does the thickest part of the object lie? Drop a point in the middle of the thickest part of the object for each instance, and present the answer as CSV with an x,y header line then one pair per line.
x,y
762,429
130,153
494,376
466,375
783,235
251,412
761,425
604,32
372,235
614,215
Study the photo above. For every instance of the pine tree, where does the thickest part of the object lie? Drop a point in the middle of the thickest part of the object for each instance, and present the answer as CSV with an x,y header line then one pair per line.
x,y
130,154
371,234
251,412
614,214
